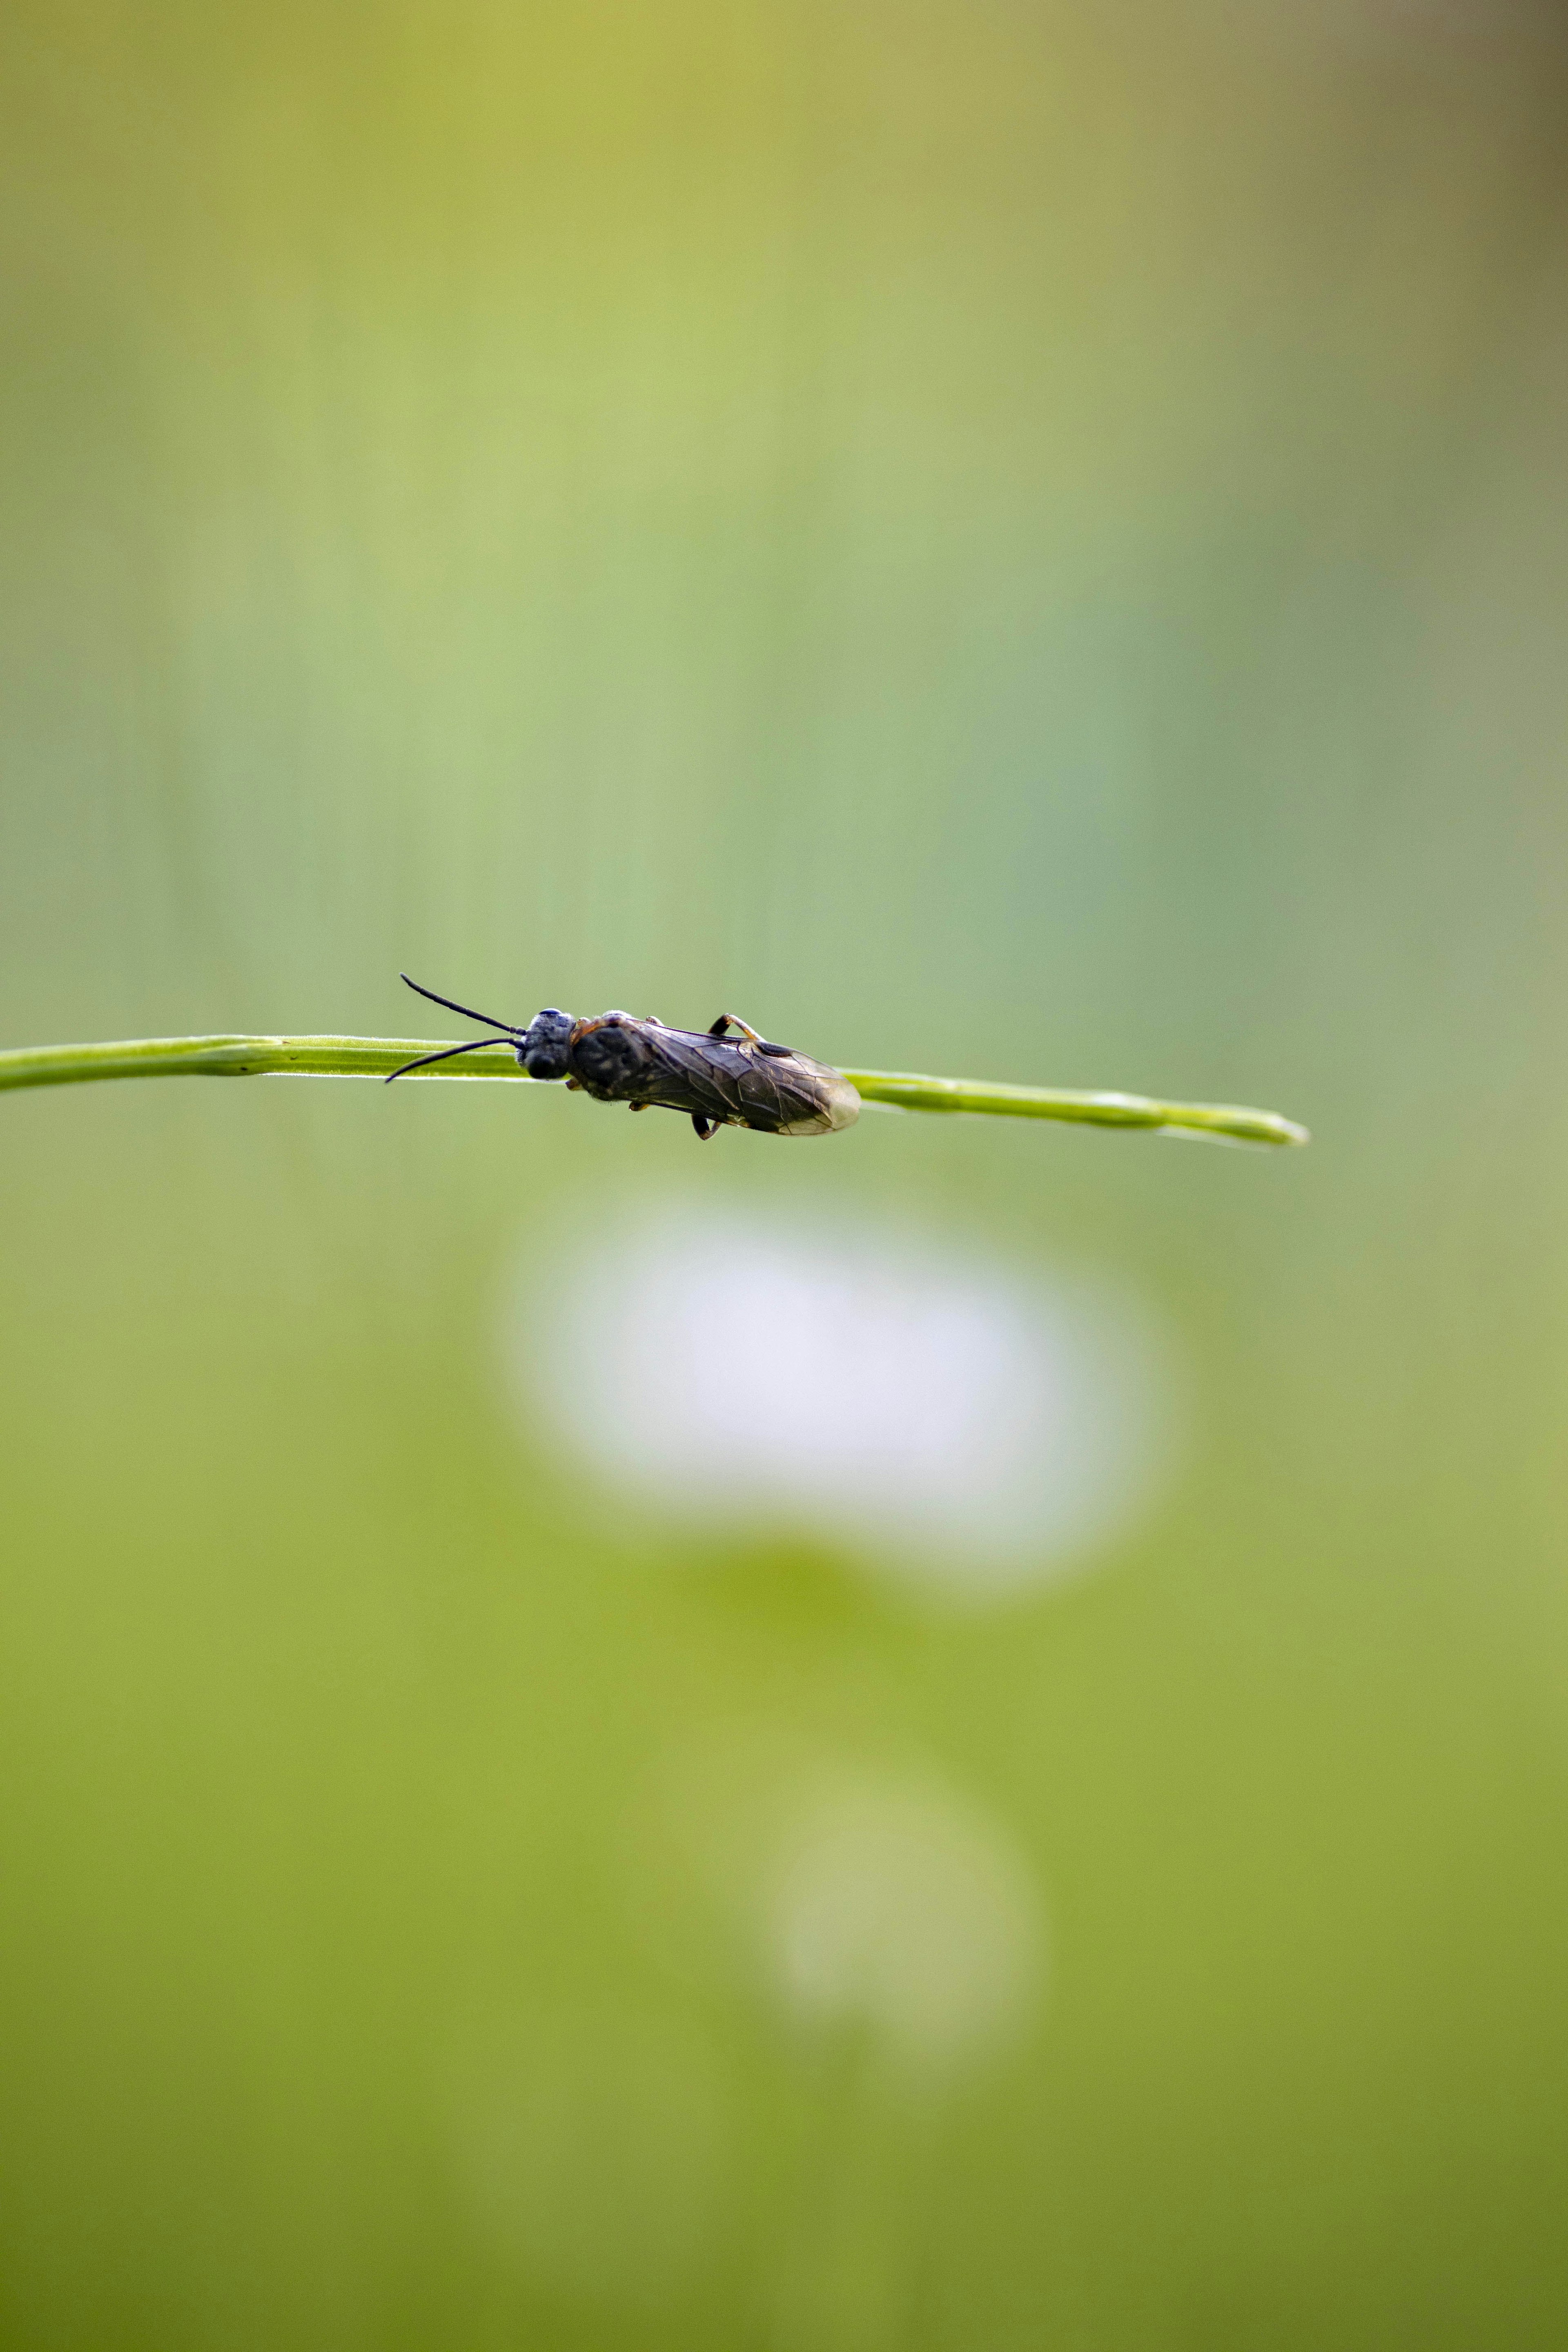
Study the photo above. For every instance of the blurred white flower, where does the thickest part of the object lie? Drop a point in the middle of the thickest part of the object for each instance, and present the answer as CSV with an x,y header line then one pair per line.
x,y
952,1419
896,1906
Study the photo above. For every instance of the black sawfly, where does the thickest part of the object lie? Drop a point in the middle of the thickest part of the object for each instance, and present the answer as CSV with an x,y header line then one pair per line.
x,y
716,1081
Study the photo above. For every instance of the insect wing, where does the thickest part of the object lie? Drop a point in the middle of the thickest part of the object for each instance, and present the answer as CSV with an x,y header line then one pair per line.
x,y
732,1082
688,1072
776,1093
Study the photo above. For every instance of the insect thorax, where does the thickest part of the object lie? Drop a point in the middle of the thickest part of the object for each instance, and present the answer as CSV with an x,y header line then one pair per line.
x,y
612,1058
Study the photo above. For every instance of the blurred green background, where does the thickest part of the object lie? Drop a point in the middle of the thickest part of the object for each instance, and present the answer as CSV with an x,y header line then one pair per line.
x,y
1025,541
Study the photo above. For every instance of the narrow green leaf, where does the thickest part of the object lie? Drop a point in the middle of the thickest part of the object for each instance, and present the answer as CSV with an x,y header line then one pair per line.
x,y
377,1058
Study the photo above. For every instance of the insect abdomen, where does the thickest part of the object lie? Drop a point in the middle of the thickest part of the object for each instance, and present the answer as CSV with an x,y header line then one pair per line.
x,y
735,1084
838,1104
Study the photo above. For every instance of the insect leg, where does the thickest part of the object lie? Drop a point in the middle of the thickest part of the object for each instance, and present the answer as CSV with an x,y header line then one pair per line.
x,y
733,1021
707,1129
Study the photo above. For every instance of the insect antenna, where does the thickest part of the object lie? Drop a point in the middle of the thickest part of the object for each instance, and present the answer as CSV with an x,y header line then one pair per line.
x,y
446,1052
491,1020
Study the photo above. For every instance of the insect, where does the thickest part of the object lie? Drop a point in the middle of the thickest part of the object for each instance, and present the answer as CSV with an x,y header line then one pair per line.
x,y
715,1079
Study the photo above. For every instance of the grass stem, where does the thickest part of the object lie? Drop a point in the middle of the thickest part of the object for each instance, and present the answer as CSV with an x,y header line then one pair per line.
x,y
376,1058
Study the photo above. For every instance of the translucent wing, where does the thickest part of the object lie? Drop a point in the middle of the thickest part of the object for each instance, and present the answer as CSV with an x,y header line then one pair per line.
x,y
734,1082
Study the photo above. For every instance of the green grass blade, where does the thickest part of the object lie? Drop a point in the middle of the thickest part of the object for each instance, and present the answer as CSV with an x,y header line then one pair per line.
x,y
377,1058
243,1057
1218,1122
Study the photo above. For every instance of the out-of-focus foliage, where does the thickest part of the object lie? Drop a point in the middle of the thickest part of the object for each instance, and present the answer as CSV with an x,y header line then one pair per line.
x,y
1022,539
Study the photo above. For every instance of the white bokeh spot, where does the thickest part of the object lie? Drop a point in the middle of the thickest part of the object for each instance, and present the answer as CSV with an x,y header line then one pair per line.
x,y
969,1424
896,1907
